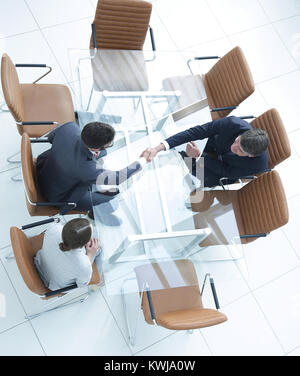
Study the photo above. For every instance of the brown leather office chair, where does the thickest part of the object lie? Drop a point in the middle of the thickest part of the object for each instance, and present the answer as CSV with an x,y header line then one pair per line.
x,y
24,250
259,208
279,148
228,83
121,24
33,105
37,205
36,108
174,308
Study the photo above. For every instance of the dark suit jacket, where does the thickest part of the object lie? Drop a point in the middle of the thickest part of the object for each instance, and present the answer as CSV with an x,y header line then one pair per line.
x,y
67,170
221,135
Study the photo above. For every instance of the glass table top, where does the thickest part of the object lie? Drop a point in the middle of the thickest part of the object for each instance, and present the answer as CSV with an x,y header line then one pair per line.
x,y
148,98
165,214
115,86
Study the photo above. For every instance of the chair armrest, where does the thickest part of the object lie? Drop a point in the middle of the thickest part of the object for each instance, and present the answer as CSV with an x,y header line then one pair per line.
x,y
213,289
200,58
214,292
35,66
149,297
40,223
152,38
94,35
37,123
262,235
247,117
223,108
59,291
59,204
236,178
38,140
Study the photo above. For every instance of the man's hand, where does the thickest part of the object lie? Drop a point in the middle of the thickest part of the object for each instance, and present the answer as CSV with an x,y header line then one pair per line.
x,y
146,154
192,150
150,153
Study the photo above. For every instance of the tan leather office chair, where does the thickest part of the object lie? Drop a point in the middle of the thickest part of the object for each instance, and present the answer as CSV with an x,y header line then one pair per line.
x,y
121,24
36,108
177,308
37,205
24,250
228,83
279,148
260,207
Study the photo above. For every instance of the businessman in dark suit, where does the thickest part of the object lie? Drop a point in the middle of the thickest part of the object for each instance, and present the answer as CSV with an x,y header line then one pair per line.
x,y
233,149
69,168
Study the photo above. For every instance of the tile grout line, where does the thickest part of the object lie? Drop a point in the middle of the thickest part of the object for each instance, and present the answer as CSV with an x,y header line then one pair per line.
x,y
116,322
278,34
45,39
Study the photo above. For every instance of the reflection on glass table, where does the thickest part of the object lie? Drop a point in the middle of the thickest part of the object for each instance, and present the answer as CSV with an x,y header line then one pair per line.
x,y
119,86
154,209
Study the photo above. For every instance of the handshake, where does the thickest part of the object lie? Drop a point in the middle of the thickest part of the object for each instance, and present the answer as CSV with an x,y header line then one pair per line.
x,y
150,153
191,151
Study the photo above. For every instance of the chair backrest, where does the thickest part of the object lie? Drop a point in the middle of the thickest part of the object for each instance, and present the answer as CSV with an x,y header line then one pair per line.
x,y
11,88
165,298
24,252
228,82
28,170
279,147
261,205
121,24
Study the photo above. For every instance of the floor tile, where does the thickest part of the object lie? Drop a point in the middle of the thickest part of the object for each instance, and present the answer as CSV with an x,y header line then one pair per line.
x,y
214,48
278,9
291,229
32,48
26,344
18,12
74,35
163,40
54,12
266,54
240,14
146,334
295,352
282,93
189,23
268,258
180,344
245,333
11,310
280,301
289,32
81,329
289,179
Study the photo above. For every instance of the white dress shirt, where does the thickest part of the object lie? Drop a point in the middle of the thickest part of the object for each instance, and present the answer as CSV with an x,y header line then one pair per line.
x,y
59,269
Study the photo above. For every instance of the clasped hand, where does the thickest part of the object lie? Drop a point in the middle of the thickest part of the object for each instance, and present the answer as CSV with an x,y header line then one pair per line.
x,y
149,154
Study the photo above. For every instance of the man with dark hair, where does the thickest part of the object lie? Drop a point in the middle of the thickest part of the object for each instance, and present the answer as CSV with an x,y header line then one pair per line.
x,y
233,149
67,171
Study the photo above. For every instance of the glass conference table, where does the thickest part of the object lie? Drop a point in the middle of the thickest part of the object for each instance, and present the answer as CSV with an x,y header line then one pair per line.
x,y
146,98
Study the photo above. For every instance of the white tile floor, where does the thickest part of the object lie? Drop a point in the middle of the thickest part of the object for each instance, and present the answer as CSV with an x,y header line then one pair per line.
x,y
262,301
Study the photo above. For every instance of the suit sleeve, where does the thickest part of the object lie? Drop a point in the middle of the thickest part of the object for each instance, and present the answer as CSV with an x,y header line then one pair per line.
x,y
101,176
199,132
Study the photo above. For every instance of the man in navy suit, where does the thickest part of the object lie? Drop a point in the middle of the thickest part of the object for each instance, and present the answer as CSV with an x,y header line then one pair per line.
x,y
67,171
233,149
